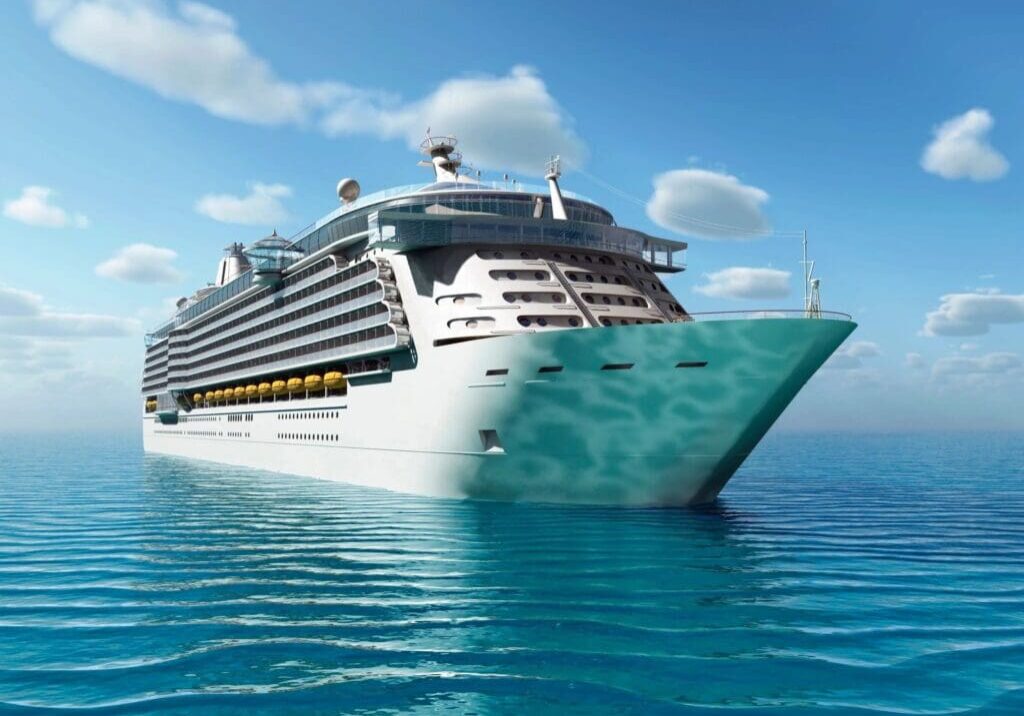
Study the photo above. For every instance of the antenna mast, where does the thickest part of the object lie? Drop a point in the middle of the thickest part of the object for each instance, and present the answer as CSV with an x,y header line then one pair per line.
x,y
812,286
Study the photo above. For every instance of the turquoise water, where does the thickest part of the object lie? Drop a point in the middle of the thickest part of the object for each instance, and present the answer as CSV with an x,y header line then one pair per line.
x,y
836,574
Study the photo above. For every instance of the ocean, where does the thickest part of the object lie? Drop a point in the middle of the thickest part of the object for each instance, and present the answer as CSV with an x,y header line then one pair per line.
x,y
836,574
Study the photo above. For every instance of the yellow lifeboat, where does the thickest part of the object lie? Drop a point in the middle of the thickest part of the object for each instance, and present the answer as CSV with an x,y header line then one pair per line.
x,y
251,390
278,386
314,382
263,389
295,385
209,395
239,391
150,405
218,394
334,379
197,397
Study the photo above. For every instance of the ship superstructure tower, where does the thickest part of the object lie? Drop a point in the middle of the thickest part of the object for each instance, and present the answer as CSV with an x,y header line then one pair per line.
x,y
462,338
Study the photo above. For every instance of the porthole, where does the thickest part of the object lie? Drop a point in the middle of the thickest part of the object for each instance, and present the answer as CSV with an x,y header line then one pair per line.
x,y
605,299
499,255
511,275
605,322
524,321
588,259
471,323
590,277
574,322
510,298
540,275
542,321
524,254
571,275
621,301
526,298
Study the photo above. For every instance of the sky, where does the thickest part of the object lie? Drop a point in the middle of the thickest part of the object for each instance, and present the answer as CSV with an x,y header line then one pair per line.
x,y
140,138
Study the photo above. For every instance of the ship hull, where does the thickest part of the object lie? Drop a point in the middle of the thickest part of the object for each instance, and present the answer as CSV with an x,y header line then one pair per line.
x,y
657,414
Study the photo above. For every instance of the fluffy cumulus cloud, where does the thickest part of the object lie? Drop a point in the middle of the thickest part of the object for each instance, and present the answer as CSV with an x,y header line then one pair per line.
x,y
261,206
850,356
510,122
35,207
986,365
745,282
141,263
972,314
193,53
23,313
708,205
961,150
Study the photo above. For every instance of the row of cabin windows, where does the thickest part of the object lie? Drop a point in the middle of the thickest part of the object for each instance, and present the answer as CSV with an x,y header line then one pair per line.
x,y
340,299
276,338
607,300
310,414
350,339
542,321
332,280
290,280
313,437
240,418
628,321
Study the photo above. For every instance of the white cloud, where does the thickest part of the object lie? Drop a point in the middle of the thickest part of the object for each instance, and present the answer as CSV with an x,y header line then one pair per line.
x,y
141,263
915,361
961,149
23,313
34,207
745,282
971,314
851,356
509,122
195,55
708,205
968,346
260,207
990,364
15,302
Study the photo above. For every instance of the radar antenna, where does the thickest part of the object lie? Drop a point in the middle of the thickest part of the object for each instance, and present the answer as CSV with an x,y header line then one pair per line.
x,y
443,157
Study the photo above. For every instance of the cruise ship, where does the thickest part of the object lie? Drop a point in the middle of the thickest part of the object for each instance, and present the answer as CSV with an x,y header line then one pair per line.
x,y
469,339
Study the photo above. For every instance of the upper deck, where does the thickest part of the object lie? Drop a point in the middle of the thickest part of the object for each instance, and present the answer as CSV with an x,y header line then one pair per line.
x,y
412,217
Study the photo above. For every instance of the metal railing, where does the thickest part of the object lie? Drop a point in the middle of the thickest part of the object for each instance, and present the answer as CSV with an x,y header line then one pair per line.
x,y
769,313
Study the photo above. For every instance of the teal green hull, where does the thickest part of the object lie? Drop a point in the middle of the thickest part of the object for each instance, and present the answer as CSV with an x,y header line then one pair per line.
x,y
652,434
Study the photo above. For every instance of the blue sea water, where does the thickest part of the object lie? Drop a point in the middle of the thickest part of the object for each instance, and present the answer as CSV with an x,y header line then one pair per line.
x,y
836,574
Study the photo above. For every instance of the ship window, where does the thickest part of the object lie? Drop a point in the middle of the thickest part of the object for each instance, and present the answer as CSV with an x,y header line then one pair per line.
x,y
539,275
616,366
490,441
499,255
550,369
691,364
588,259
542,321
524,321
511,275
605,322
574,322
498,371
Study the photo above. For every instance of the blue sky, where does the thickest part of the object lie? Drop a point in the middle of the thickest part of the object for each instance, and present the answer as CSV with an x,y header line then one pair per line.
x,y
891,134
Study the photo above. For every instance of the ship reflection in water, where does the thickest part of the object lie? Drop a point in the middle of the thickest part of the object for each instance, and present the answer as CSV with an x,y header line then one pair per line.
x,y
836,573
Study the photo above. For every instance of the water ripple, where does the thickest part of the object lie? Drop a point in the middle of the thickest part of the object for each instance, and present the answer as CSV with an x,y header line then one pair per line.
x,y
837,574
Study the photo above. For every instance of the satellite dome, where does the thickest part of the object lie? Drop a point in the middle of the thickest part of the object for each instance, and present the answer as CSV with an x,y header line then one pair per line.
x,y
348,190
